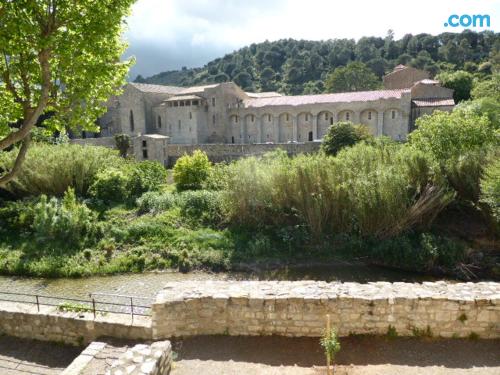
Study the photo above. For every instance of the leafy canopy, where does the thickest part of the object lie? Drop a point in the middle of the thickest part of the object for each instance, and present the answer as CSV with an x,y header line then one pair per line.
x,y
59,59
343,134
356,76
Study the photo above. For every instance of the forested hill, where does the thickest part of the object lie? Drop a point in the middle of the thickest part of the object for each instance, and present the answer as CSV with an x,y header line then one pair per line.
x,y
300,66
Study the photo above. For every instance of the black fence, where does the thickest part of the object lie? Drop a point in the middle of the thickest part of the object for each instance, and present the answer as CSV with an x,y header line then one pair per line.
x,y
98,303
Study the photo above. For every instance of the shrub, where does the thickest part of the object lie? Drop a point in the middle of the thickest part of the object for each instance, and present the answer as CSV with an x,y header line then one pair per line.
x,y
65,221
490,188
51,170
460,81
190,171
123,143
110,185
202,206
146,176
343,134
155,202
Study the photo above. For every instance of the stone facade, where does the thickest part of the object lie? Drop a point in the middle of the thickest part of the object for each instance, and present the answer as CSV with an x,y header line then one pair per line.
x,y
299,308
154,359
25,321
224,113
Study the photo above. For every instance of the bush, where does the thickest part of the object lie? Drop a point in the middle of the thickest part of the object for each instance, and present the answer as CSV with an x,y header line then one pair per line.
x,y
190,171
202,206
123,143
51,170
460,81
155,202
343,134
110,185
65,221
490,188
146,176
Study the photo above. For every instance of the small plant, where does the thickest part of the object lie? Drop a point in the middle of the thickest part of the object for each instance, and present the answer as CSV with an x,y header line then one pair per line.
x,y
473,336
330,344
391,332
74,307
462,318
422,332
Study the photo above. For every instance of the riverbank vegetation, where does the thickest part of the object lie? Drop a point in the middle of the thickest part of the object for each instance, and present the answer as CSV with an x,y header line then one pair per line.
x,y
428,205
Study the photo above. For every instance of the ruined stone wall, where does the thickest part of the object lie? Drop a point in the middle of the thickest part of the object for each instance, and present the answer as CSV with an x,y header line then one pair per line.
x,y
154,359
299,308
25,321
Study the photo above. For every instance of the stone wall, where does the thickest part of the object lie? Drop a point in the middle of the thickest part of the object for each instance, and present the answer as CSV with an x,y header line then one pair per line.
x,y
21,320
154,359
299,308
227,152
103,141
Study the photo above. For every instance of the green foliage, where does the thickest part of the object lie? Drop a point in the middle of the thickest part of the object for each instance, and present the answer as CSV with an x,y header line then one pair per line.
x,y
65,221
296,66
146,176
392,333
202,206
110,185
51,170
462,318
123,143
488,88
448,135
191,171
343,134
356,76
330,344
33,34
490,188
74,307
155,202
461,82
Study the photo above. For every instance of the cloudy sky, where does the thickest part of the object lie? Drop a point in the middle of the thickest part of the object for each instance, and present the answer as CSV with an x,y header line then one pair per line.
x,y
168,34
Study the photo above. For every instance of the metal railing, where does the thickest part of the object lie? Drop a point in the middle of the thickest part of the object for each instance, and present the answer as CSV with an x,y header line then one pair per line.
x,y
98,303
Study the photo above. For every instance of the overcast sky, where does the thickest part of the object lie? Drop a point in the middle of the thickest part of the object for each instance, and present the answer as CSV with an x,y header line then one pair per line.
x,y
168,34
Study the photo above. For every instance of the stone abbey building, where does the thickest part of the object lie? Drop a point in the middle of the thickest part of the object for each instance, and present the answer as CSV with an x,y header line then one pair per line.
x,y
224,113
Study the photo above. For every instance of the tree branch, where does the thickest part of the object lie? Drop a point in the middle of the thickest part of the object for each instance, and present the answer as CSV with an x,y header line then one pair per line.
x,y
9,176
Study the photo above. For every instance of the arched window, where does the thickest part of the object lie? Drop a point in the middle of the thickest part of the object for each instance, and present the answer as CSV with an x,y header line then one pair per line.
x,y
287,117
131,119
331,120
393,114
307,117
369,115
253,118
347,116
269,118
159,122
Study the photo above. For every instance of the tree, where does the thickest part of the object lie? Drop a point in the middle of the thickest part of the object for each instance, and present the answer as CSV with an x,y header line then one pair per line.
x,y
356,76
343,134
460,81
59,57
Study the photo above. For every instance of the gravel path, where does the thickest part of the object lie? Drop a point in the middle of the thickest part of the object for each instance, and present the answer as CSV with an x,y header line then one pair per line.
x,y
221,355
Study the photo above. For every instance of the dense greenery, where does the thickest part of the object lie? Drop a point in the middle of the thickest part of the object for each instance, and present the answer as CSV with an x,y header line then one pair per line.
x,y
343,134
299,66
190,171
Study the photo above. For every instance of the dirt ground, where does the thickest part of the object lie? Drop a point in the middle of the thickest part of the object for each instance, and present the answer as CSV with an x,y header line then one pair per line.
x,y
22,357
220,355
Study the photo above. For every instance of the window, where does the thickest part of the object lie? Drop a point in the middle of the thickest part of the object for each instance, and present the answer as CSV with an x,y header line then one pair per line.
x,y
232,139
393,114
331,120
159,122
132,125
252,118
287,117
176,104
369,115
179,125
213,102
190,115
310,136
326,116
194,102
269,118
307,117
145,153
347,116
213,119
188,103
181,104
144,144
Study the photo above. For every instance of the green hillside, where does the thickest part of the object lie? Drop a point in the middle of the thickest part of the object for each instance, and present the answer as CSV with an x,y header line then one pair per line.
x,y
300,66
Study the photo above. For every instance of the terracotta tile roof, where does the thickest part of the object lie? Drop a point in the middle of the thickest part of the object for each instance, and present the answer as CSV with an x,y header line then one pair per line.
x,y
157,89
344,97
433,102
263,94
